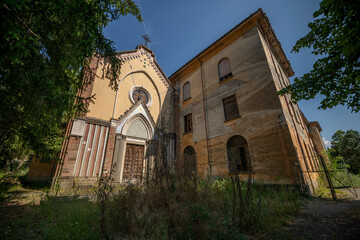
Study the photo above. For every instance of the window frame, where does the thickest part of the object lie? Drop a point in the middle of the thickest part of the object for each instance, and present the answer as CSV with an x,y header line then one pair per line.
x,y
233,164
228,75
189,97
188,126
237,107
189,153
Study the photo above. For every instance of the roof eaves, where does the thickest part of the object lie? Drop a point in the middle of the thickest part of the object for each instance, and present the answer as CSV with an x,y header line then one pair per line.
x,y
289,69
218,40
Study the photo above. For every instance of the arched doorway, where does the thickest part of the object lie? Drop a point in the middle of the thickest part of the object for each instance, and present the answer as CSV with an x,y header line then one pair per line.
x,y
189,161
137,130
238,154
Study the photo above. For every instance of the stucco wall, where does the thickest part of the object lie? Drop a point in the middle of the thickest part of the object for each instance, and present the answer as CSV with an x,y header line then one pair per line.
x,y
297,127
280,148
138,70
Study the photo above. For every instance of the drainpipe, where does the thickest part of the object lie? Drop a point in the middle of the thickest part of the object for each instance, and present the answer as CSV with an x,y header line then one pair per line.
x,y
205,118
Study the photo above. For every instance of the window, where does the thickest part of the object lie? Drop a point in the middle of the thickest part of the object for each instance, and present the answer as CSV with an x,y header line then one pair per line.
x,y
224,69
238,154
189,161
294,112
308,156
140,94
186,91
230,108
188,123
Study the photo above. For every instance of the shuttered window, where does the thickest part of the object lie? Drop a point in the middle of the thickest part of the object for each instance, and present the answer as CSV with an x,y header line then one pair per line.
x,y
224,69
186,91
188,123
230,108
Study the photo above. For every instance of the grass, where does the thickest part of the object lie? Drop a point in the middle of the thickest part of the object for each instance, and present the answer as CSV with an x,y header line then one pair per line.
x,y
338,179
15,183
176,210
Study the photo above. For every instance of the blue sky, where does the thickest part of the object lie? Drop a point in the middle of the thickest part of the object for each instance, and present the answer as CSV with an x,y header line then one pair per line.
x,y
179,30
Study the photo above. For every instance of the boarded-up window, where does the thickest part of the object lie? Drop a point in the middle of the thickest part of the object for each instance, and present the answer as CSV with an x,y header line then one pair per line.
x,y
224,69
238,154
188,123
230,108
186,91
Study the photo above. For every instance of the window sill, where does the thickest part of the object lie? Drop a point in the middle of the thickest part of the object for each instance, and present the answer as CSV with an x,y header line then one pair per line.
x,y
230,120
226,78
186,133
243,172
186,100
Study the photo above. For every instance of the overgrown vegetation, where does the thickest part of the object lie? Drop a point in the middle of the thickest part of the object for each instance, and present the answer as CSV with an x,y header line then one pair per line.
x,y
334,36
340,177
177,209
345,148
47,48
13,183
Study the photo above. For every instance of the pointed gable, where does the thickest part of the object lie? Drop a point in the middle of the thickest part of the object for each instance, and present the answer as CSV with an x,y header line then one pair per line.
x,y
138,110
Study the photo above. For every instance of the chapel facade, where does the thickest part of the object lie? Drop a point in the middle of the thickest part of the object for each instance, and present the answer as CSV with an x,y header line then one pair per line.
x,y
217,115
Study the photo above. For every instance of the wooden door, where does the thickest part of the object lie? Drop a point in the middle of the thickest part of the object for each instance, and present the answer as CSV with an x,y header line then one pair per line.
x,y
133,165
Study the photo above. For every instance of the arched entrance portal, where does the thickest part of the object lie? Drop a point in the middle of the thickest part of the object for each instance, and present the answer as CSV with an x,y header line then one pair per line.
x,y
134,133
137,132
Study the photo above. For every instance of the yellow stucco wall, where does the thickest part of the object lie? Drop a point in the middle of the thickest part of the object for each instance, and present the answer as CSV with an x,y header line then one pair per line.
x,y
138,69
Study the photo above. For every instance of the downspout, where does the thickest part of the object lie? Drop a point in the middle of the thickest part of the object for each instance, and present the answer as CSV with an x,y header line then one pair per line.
x,y
205,118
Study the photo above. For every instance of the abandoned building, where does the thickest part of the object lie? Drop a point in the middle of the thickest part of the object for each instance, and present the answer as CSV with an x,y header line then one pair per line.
x,y
219,114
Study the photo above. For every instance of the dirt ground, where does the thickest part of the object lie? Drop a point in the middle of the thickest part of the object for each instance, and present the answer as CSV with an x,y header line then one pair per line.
x,y
327,219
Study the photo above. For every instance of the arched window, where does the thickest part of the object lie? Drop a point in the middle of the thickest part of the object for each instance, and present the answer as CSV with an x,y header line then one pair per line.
x,y
186,91
189,161
224,69
238,154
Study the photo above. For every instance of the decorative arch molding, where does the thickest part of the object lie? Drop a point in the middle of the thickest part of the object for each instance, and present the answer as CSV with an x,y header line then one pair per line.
x,y
138,117
133,72
137,111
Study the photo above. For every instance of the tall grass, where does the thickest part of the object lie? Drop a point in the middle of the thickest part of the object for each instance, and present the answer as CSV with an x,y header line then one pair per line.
x,y
340,178
179,209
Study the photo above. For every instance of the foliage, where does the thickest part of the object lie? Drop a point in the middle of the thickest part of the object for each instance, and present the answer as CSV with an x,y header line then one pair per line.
x,y
47,48
346,146
12,152
339,176
335,35
14,182
180,210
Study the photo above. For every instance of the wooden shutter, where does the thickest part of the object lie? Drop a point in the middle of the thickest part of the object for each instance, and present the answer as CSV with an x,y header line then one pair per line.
x,y
230,108
224,68
186,91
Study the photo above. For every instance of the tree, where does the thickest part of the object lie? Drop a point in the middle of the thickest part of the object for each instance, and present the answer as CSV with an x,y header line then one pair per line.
x,y
46,48
335,35
346,146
